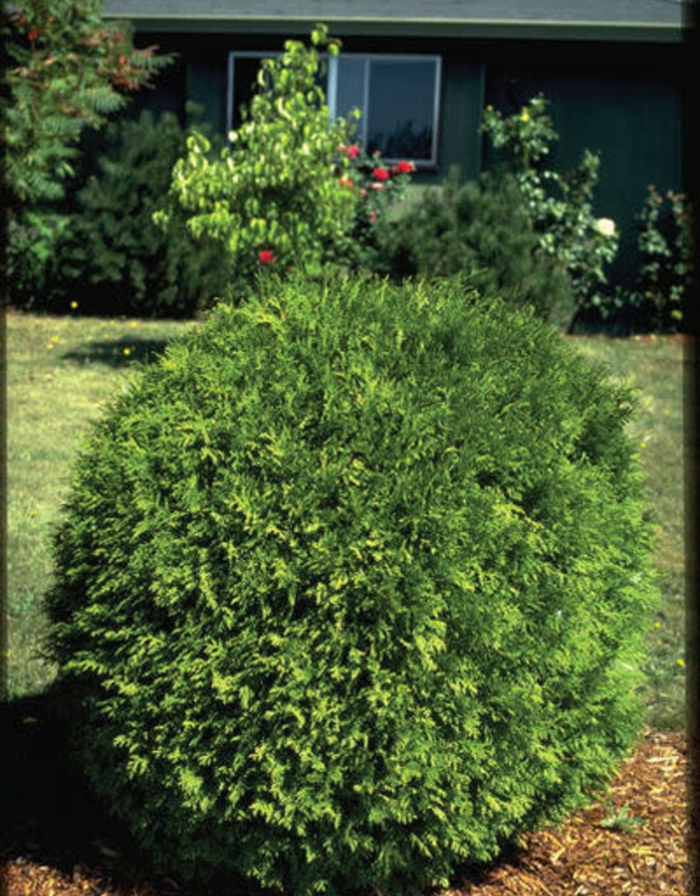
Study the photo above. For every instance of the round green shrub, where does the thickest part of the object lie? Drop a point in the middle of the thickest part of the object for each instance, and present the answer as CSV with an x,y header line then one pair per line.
x,y
352,586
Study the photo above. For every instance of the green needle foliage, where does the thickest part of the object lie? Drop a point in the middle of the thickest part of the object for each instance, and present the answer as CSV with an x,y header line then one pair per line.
x,y
481,227
352,586
113,252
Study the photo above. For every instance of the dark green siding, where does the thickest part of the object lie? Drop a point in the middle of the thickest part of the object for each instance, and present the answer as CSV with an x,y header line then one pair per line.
x,y
460,113
627,105
206,88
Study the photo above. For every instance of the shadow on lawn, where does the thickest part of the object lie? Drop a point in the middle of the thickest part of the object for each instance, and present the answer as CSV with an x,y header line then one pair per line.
x,y
117,352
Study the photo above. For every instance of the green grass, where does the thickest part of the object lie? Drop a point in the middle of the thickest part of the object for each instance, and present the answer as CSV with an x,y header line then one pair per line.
x,y
61,370
655,368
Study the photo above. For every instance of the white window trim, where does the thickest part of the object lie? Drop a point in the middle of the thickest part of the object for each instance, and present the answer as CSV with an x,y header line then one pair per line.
x,y
332,62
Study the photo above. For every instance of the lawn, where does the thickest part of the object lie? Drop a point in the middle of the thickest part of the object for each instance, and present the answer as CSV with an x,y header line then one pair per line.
x,y
60,371
655,367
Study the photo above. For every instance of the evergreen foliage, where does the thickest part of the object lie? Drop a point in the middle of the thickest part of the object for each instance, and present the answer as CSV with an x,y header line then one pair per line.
x,y
352,586
480,228
68,71
114,254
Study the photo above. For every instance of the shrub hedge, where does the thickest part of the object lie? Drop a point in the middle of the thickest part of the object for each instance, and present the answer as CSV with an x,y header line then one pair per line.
x,y
112,254
482,228
352,586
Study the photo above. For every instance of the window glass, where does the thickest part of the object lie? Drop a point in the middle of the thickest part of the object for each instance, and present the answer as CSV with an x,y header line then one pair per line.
x,y
401,113
244,72
243,84
397,96
351,90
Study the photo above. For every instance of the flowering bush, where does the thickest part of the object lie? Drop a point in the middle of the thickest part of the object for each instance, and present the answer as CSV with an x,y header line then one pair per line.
x,y
560,206
378,187
278,197
666,269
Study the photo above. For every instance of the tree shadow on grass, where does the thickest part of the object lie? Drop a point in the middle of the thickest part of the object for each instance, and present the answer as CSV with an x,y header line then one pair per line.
x,y
52,817
117,352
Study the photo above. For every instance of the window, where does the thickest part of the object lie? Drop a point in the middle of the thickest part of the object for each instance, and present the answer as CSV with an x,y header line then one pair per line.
x,y
397,95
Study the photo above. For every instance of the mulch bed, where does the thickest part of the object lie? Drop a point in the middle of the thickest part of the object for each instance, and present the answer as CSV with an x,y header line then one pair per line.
x,y
646,855
635,843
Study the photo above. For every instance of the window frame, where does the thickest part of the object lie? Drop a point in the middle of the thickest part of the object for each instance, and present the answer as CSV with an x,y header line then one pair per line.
x,y
331,90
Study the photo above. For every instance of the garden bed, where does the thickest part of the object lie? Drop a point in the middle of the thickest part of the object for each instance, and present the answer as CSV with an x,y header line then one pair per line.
x,y
633,842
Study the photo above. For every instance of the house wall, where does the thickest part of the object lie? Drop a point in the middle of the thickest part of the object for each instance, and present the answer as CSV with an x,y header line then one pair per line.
x,y
624,100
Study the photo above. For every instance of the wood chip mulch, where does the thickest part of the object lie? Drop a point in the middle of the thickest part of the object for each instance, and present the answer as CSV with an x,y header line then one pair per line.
x,y
636,843
633,843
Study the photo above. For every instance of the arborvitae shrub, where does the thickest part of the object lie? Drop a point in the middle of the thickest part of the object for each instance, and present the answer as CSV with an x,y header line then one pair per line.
x,y
352,586
480,228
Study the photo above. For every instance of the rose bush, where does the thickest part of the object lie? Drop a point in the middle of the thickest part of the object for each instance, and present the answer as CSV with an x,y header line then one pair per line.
x,y
655,302
560,206
379,187
666,270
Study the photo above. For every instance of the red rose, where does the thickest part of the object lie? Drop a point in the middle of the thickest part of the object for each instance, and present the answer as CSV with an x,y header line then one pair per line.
x,y
266,256
353,151
380,174
404,167
33,34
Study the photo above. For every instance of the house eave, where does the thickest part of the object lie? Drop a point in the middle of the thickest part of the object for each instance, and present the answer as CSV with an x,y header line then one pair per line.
x,y
483,29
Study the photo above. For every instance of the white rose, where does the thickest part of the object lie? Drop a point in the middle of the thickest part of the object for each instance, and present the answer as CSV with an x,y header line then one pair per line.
x,y
605,226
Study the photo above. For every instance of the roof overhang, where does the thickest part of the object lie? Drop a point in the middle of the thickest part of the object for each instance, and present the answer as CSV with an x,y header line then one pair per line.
x,y
665,26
